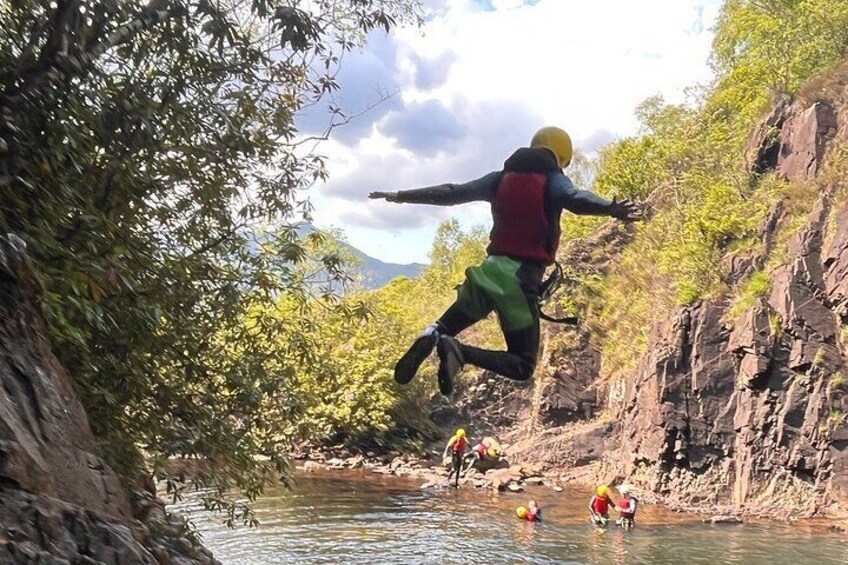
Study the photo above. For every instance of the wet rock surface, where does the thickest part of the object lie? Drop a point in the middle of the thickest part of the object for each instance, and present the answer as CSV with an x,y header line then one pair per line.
x,y
59,502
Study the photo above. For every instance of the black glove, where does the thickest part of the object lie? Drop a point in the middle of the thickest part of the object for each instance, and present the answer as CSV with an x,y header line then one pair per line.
x,y
388,196
625,210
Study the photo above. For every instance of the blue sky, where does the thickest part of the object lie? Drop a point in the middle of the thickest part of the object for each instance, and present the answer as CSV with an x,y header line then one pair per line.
x,y
475,82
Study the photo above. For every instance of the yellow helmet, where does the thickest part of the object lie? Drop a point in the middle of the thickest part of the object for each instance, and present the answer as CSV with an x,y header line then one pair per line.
x,y
601,490
460,433
521,512
558,141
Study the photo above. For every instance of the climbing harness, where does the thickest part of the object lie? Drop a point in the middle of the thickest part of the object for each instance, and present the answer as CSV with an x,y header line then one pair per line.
x,y
549,288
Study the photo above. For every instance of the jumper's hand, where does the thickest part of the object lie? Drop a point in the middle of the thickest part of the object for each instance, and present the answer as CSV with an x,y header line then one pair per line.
x,y
625,210
388,196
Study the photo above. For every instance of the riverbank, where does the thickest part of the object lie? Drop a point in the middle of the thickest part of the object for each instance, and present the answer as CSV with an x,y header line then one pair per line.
x,y
501,477
498,475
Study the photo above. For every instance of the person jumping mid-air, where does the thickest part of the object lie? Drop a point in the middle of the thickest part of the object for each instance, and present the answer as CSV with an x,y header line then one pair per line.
x,y
527,199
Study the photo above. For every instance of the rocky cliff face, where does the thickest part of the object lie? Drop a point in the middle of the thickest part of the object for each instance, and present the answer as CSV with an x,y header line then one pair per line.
x,y
752,410
59,502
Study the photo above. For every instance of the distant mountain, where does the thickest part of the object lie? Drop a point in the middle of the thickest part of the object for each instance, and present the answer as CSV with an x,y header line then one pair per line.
x,y
372,273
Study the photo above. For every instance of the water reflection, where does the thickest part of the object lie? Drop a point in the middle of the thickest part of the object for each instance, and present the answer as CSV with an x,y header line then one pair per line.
x,y
358,519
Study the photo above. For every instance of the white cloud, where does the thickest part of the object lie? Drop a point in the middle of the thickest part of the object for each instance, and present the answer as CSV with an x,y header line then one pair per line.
x,y
491,72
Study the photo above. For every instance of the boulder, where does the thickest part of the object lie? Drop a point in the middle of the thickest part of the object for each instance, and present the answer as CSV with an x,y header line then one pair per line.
x,y
335,463
500,479
355,462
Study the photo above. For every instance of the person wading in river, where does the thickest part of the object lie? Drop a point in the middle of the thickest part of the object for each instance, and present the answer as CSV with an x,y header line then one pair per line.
x,y
626,508
599,506
527,198
531,513
457,445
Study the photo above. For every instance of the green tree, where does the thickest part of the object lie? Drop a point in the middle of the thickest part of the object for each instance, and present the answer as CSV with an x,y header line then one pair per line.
x,y
139,144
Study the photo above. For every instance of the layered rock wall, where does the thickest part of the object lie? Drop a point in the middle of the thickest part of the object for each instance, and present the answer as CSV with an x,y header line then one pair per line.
x,y
752,410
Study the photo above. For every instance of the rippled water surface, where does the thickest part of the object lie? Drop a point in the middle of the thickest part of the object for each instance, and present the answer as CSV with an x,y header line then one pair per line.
x,y
355,518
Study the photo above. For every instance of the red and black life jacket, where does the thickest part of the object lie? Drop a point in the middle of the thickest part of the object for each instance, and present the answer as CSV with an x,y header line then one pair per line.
x,y
524,227
627,507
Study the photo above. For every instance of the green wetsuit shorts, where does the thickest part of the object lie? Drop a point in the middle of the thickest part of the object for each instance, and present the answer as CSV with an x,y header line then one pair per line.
x,y
507,286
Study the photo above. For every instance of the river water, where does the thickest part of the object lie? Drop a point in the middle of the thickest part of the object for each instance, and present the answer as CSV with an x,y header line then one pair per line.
x,y
357,518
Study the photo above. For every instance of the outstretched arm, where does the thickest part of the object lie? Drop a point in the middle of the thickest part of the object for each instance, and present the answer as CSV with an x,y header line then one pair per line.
x,y
446,194
584,202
